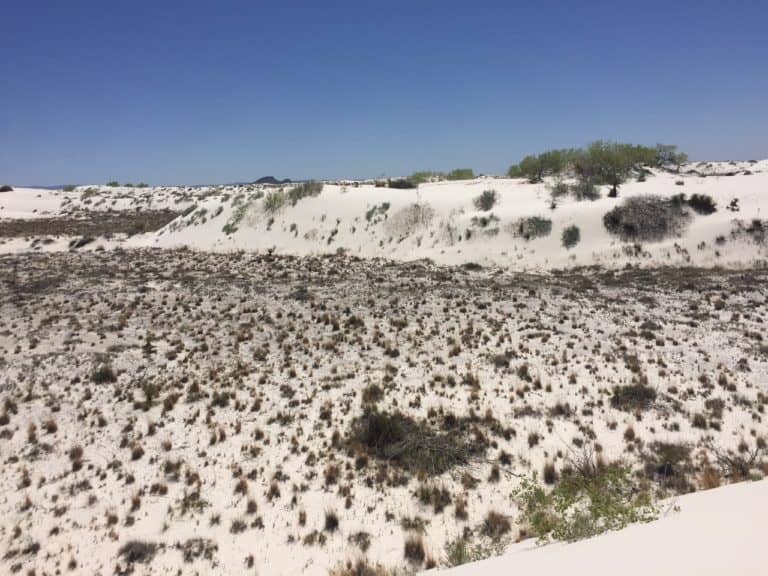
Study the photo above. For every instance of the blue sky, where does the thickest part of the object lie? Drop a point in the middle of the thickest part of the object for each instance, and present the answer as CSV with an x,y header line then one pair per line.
x,y
196,92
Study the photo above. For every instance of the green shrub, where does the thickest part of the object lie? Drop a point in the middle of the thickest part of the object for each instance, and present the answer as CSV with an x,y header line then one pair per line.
x,y
486,200
571,236
274,201
426,176
6,188
461,174
113,183
582,506
304,190
69,188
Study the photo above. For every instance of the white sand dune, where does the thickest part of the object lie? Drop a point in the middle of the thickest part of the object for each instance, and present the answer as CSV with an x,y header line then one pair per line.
x,y
367,221
710,533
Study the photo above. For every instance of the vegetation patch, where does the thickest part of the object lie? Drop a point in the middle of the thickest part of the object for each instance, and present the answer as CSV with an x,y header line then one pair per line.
x,y
530,228
633,397
584,505
410,444
486,200
647,218
571,236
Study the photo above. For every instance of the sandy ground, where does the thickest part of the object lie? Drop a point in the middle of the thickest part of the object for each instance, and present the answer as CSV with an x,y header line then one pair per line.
x,y
223,424
184,372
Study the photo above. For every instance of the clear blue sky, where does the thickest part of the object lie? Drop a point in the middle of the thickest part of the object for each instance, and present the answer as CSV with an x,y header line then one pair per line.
x,y
195,92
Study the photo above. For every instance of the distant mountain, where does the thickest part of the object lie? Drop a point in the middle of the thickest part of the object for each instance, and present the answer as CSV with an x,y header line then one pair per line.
x,y
272,180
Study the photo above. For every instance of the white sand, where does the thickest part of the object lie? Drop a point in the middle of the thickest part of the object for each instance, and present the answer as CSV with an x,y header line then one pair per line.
x,y
714,533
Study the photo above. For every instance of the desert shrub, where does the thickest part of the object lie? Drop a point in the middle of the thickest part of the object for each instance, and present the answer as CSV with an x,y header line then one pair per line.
x,y
361,567
669,464
584,190
559,188
461,174
103,374
702,204
571,236
113,183
402,183
484,221
549,163
756,230
304,190
647,218
414,550
495,525
69,188
530,227
462,551
580,506
6,188
426,176
409,219
408,443
486,200
274,201
137,551
633,397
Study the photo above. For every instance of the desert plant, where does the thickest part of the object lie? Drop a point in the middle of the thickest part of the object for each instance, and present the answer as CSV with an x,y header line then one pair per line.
x,y
461,174
401,183
274,201
6,188
647,218
531,227
580,506
633,397
702,204
304,190
571,236
413,445
486,200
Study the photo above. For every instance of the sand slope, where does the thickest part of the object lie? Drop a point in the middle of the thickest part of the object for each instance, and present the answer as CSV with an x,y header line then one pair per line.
x,y
716,532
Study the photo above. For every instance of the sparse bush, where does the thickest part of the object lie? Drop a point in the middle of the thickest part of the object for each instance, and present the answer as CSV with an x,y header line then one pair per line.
x,y
571,236
274,201
304,190
702,204
103,374
410,219
461,174
410,444
6,188
584,190
495,525
580,506
113,183
633,397
531,227
647,218
486,200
